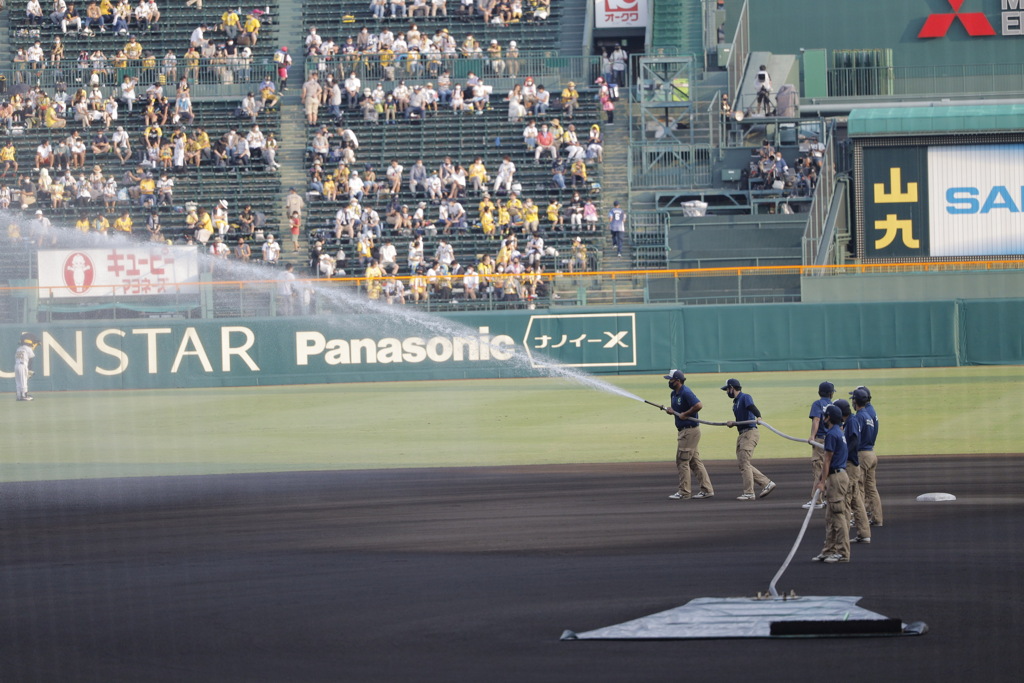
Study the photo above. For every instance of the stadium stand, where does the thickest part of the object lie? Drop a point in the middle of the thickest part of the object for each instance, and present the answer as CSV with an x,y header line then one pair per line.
x,y
216,113
488,134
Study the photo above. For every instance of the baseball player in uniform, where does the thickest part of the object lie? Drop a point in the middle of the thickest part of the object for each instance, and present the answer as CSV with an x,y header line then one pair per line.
x,y
685,406
23,365
745,411
834,484
868,461
855,495
825,392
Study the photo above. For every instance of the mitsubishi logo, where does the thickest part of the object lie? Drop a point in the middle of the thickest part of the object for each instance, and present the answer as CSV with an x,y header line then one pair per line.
x,y
975,23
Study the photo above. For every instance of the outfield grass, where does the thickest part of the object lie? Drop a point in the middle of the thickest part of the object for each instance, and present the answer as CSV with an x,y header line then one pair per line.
x,y
71,435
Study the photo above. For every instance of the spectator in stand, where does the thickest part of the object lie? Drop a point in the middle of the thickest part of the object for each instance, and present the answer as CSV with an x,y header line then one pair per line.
x,y
311,91
545,143
570,100
542,102
595,144
505,175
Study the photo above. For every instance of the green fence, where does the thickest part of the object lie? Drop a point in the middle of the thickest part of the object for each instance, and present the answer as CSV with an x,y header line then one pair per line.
x,y
365,346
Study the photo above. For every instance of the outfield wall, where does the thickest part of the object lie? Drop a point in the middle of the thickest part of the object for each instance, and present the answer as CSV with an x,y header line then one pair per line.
x,y
397,346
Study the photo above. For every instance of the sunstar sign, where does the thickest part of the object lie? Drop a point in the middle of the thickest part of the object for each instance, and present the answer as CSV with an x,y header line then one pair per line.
x,y
974,23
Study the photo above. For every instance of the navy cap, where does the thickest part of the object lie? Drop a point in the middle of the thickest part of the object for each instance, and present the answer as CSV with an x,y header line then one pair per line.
x,y
861,395
843,405
734,383
676,374
826,389
834,414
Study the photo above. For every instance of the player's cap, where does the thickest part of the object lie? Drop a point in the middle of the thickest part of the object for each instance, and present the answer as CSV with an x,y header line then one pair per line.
x,y
861,395
675,374
39,212
834,414
734,383
826,389
843,405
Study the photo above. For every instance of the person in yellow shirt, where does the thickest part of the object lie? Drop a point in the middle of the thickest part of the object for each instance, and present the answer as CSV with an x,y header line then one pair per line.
x,y
82,224
123,223
531,217
252,31
166,155
555,215
504,219
374,276
487,223
147,190
203,141
486,204
418,285
570,100
477,174
579,173
51,120
330,192
133,49
57,194
230,24
100,224
485,269
8,157
578,260
192,58
515,207
204,227
504,254
192,151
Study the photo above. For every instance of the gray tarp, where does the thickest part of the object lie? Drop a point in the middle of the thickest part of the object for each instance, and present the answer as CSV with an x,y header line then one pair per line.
x,y
731,618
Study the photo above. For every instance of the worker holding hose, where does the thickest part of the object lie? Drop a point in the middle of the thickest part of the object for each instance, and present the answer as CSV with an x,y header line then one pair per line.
x,y
685,406
747,416
834,484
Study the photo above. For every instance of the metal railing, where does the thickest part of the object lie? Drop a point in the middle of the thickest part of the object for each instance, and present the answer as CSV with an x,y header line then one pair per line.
x,y
739,53
254,298
931,81
209,72
818,214
546,67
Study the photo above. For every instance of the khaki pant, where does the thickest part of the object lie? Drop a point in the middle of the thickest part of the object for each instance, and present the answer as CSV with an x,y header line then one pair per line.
x,y
855,501
688,462
745,444
872,501
817,464
837,524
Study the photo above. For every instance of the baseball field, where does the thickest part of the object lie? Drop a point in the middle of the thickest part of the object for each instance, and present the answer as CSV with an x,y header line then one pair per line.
x,y
73,435
452,531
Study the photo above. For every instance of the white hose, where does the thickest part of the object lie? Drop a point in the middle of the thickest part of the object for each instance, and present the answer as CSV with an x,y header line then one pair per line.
x,y
810,508
765,424
792,551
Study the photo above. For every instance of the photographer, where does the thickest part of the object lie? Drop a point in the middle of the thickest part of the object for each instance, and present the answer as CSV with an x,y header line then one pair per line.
x,y
764,91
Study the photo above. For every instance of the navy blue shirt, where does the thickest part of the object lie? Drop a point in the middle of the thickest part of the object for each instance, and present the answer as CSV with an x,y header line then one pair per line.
x,y
836,444
851,430
744,409
818,411
868,427
683,400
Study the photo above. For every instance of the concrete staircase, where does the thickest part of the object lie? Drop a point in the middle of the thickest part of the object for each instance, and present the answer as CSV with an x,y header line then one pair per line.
x,y
676,27
614,186
292,138
571,25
